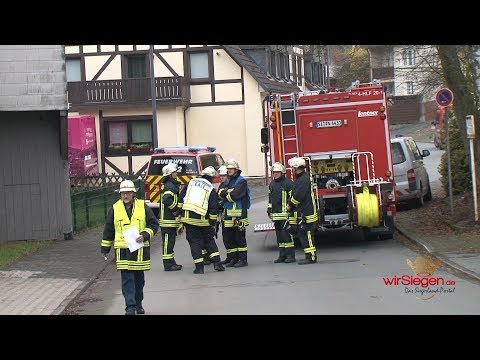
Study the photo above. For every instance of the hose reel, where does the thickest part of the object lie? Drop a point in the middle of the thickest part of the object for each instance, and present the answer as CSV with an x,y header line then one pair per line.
x,y
367,208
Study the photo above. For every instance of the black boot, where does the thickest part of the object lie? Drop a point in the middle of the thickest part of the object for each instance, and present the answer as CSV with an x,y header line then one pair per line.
x,y
171,265
226,261
241,263
309,259
198,268
290,255
281,257
232,262
218,266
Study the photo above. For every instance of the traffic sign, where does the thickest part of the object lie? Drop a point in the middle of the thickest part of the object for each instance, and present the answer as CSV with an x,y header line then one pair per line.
x,y
444,97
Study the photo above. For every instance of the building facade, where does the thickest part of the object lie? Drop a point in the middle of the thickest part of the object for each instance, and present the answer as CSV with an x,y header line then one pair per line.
x,y
205,95
406,72
34,181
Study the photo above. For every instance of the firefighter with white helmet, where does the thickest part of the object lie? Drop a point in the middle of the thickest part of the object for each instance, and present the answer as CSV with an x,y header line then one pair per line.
x,y
236,202
125,214
199,214
170,215
302,204
279,192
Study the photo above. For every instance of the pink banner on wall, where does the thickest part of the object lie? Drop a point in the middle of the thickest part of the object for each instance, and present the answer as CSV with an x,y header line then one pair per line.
x,y
82,145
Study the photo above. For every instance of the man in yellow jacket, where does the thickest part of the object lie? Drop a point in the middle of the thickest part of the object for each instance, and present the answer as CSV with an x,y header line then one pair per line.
x,y
129,213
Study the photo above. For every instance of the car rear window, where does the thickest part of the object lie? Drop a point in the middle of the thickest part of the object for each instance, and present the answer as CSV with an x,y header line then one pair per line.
x,y
187,164
398,155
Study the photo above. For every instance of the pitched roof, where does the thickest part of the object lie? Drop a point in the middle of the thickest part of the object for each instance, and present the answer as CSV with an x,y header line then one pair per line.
x,y
267,83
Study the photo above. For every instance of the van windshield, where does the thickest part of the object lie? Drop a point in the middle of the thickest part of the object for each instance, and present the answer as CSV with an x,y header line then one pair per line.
x,y
187,164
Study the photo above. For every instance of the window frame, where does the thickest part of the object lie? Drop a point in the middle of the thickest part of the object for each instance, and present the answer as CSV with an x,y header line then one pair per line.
x,y
126,59
206,80
130,150
80,69
410,87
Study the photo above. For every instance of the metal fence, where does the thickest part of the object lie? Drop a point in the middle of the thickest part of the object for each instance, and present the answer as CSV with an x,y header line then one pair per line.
x,y
90,205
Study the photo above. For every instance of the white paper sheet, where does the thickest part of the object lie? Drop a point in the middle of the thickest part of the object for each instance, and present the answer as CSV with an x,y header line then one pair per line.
x,y
130,235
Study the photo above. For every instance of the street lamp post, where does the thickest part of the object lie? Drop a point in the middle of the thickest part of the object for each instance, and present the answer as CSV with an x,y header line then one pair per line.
x,y
154,99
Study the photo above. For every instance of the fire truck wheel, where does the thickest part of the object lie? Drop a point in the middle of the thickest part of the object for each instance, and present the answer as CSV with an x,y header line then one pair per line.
x,y
428,195
419,202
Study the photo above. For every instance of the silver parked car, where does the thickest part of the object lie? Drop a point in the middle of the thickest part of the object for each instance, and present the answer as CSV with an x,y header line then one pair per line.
x,y
411,177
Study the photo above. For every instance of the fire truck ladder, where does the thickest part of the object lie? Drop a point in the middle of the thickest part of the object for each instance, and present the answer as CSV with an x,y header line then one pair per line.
x,y
283,110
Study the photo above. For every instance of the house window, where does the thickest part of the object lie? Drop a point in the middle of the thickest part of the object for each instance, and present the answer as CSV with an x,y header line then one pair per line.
x,y
308,70
316,73
300,71
136,66
408,56
410,88
199,69
287,67
73,69
281,64
129,136
273,64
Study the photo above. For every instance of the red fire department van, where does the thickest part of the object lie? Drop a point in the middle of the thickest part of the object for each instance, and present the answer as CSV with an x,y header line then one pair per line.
x,y
345,139
191,160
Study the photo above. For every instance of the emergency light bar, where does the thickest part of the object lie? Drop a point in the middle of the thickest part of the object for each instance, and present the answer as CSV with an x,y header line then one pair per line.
x,y
184,149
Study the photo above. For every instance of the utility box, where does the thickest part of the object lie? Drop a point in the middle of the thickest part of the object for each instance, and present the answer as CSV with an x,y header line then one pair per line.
x,y
82,145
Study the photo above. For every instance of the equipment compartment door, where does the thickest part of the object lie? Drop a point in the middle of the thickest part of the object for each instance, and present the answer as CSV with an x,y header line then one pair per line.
x,y
327,131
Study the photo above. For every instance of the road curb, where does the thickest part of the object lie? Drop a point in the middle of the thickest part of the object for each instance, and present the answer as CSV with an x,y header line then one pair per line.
x,y
447,262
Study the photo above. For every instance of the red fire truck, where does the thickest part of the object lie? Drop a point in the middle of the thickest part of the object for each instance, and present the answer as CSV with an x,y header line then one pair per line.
x,y
345,139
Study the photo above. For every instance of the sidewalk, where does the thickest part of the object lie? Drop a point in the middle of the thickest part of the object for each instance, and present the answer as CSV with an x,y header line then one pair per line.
x,y
47,281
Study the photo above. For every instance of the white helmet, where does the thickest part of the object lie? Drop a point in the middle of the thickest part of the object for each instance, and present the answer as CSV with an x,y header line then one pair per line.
x,y
297,162
278,166
170,168
127,185
209,171
222,170
231,164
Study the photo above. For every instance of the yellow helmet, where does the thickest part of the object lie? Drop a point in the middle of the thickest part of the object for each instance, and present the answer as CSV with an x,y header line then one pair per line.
x,y
170,168
231,164
278,166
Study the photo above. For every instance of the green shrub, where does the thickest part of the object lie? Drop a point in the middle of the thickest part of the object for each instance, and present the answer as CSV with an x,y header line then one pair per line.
x,y
459,161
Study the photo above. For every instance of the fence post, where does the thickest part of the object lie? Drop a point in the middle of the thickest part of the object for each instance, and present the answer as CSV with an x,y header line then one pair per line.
x,y
87,215
105,202
74,208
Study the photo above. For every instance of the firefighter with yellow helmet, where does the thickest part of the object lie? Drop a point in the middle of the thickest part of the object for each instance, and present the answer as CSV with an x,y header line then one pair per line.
x,y
279,192
170,211
302,204
199,214
236,202
126,213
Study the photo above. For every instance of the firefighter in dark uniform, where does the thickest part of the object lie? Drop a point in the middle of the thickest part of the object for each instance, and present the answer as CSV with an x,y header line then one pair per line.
x,y
302,204
127,213
199,214
169,215
236,201
223,173
279,192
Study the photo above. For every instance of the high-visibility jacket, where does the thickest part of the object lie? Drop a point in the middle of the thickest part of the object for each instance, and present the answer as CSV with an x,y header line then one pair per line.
x,y
303,200
169,206
200,203
279,192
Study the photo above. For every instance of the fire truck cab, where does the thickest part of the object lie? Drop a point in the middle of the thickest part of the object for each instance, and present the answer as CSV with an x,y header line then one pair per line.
x,y
190,159
345,139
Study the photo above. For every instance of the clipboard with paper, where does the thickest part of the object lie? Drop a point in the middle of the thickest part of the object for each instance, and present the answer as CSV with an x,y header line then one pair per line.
x,y
130,235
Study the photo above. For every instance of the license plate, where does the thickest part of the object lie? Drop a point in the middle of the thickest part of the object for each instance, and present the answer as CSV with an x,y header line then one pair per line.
x,y
328,123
